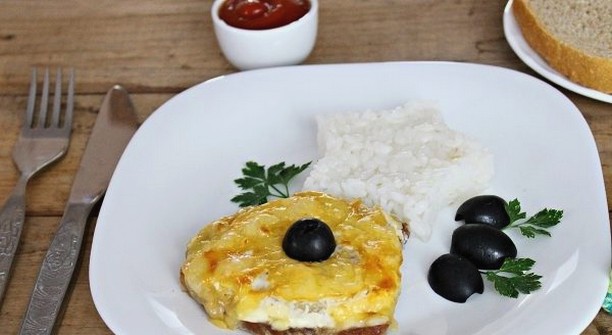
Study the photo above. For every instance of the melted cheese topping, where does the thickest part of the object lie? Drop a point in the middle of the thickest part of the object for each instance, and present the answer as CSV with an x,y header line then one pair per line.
x,y
237,270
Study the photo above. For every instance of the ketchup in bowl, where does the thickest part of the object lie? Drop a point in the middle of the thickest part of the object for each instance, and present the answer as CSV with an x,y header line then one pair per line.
x,y
262,14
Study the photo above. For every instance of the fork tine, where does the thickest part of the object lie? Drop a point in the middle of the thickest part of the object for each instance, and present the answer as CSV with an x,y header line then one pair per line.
x,y
31,101
57,99
69,102
42,114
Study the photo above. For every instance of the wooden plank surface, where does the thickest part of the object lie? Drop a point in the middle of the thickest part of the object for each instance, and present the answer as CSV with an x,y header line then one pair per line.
x,y
158,48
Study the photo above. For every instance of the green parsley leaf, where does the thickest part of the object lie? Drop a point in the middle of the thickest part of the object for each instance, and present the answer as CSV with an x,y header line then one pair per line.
x,y
254,170
517,266
260,183
513,208
531,232
546,218
512,278
535,225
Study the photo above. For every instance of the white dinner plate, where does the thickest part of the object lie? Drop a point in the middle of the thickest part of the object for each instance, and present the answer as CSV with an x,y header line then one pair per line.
x,y
177,174
524,51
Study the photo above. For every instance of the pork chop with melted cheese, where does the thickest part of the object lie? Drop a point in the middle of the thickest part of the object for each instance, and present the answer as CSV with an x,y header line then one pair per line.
x,y
237,270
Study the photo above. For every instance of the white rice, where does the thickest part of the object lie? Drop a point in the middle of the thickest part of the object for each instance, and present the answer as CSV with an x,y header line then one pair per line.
x,y
405,160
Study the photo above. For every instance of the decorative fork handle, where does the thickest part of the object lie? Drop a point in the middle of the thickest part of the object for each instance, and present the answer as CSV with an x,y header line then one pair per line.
x,y
12,217
56,272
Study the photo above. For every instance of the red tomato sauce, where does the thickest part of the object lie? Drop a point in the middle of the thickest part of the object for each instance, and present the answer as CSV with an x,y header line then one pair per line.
x,y
262,14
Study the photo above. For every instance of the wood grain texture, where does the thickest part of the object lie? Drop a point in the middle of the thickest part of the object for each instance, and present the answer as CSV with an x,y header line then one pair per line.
x,y
158,48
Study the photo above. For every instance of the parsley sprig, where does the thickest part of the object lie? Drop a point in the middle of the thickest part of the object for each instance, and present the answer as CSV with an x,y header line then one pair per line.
x,y
513,277
260,183
534,225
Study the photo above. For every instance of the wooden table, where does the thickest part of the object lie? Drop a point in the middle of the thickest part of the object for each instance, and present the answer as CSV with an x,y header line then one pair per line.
x,y
158,48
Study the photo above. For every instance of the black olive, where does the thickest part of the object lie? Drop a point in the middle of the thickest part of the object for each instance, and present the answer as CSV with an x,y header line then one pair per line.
x,y
309,240
483,245
454,278
487,209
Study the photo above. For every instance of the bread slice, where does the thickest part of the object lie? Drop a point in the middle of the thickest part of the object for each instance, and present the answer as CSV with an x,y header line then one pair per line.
x,y
237,270
573,36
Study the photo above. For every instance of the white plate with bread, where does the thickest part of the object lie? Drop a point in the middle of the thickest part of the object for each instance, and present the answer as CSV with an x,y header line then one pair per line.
x,y
559,57
176,175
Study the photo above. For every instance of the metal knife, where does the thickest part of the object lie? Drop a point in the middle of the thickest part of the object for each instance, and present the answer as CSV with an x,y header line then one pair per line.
x,y
114,127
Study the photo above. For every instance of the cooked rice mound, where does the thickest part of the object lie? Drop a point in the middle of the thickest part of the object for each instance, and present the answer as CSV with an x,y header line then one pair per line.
x,y
406,160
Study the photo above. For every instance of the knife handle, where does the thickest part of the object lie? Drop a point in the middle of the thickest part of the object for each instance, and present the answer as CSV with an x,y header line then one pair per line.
x,y
12,218
56,272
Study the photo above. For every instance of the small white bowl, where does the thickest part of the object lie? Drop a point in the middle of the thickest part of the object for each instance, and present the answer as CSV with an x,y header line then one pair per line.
x,y
251,49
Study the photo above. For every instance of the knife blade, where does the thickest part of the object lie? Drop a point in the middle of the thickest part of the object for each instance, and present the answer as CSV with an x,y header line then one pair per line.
x,y
115,124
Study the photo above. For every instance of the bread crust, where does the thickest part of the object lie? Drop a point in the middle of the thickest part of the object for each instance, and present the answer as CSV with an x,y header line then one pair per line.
x,y
264,329
580,67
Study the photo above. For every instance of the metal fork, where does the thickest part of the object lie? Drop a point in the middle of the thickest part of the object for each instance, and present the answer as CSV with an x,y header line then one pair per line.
x,y
42,141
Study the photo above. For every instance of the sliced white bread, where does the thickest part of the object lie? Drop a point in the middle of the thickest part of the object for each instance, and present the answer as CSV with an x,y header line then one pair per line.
x,y
573,36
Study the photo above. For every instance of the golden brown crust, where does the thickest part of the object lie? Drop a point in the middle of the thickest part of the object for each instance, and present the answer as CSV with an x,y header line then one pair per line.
x,y
366,296
580,67
405,231
264,329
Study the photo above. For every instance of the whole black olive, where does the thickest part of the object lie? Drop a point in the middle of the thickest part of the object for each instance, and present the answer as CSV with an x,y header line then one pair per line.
x,y
483,245
309,240
487,209
454,278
